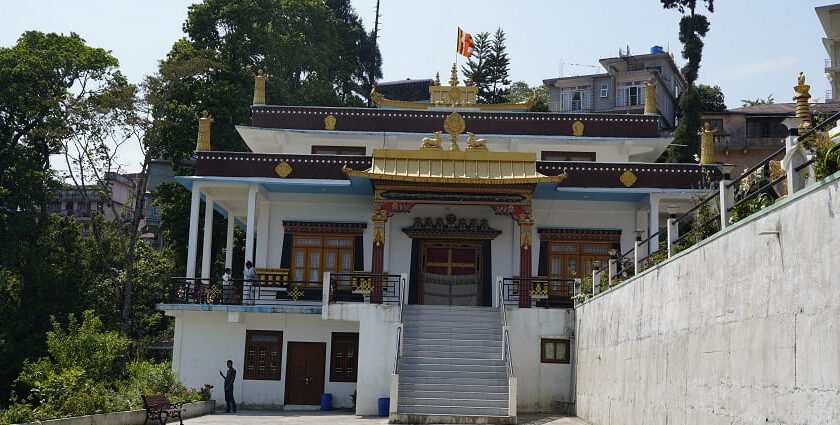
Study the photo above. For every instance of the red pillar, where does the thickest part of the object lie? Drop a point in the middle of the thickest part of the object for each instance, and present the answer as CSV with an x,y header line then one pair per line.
x,y
377,262
524,265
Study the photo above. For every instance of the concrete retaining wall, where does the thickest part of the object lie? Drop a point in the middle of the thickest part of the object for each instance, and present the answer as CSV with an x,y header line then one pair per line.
x,y
743,329
131,417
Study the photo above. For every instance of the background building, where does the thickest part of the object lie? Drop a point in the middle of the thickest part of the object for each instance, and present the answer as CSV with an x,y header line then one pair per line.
x,y
621,88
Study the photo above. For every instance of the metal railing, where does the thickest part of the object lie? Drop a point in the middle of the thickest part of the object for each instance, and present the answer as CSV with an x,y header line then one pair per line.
x,y
707,217
362,287
506,355
196,290
400,325
543,291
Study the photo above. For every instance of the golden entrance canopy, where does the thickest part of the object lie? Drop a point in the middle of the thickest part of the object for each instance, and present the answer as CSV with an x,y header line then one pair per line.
x,y
458,167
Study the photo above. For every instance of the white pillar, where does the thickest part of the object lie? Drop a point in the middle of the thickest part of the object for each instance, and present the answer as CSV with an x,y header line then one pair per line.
x,y
250,223
192,247
208,237
231,222
263,221
653,227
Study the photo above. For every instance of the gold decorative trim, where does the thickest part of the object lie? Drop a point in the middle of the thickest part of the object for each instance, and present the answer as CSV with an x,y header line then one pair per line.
x,y
454,125
378,235
628,178
329,122
457,156
283,169
456,180
577,128
525,238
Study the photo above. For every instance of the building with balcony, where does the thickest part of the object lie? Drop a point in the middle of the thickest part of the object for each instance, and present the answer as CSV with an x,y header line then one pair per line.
x,y
111,198
829,17
620,90
424,252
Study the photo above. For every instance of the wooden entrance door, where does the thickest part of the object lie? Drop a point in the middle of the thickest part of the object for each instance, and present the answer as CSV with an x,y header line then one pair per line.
x,y
305,372
450,273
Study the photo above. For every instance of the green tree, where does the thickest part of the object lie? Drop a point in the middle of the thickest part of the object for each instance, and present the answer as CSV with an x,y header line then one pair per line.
x,y
477,67
758,101
520,91
711,98
52,87
498,65
693,27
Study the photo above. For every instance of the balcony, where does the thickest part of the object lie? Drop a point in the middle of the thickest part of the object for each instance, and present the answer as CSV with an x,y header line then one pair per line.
x,y
274,287
538,291
830,65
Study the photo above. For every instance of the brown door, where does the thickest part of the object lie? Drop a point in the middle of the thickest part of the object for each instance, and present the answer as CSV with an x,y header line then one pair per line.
x,y
451,273
305,372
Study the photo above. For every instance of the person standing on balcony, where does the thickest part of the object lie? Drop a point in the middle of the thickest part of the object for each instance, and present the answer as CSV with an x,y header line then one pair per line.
x,y
229,378
249,276
226,286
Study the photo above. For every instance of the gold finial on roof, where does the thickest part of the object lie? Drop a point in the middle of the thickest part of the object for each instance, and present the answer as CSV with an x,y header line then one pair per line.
x,y
437,78
707,144
453,79
802,109
203,142
650,96
259,88
470,81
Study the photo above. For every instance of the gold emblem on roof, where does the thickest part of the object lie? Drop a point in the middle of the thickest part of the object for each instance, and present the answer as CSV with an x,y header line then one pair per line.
x,y
454,125
429,143
628,178
283,169
329,122
577,128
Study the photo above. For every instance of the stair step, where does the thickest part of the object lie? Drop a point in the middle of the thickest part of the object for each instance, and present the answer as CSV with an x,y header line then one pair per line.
x,y
450,387
451,410
454,325
453,367
462,402
452,395
498,381
491,335
453,341
469,361
452,374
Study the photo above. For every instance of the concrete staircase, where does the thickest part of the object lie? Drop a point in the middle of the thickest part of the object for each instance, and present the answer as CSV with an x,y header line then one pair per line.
x,y
451,370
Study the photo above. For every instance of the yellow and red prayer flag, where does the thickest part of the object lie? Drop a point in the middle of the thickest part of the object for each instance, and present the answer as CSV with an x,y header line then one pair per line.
x,y
465,43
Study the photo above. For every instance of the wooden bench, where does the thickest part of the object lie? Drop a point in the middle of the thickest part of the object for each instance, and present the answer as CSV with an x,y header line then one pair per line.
x,y
160,409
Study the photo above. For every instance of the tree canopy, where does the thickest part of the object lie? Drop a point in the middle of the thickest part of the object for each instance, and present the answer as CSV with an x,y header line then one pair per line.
x,y
488,67
711,98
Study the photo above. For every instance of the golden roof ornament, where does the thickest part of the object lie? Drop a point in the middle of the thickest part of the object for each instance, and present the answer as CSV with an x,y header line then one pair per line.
x,y
259,88
203,141
429,143
650,97
454,125
474,144
577,129
437,78
707,144
802,109
453,79
470,81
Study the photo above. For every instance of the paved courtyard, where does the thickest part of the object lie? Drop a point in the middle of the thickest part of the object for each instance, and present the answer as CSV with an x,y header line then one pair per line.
x,y
339,417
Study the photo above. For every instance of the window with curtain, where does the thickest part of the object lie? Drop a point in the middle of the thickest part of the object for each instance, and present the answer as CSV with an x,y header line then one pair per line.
x,y
575,98
312,255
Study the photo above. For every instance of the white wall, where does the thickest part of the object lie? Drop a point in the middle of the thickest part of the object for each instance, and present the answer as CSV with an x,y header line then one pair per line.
x,y
742,329
542,387
204,340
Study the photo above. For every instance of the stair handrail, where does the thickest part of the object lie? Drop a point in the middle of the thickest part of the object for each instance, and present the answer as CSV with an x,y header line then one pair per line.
x,y
400,324
505,334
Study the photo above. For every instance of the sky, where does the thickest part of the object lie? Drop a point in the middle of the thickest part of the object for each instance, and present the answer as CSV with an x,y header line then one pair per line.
x,y
754,48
